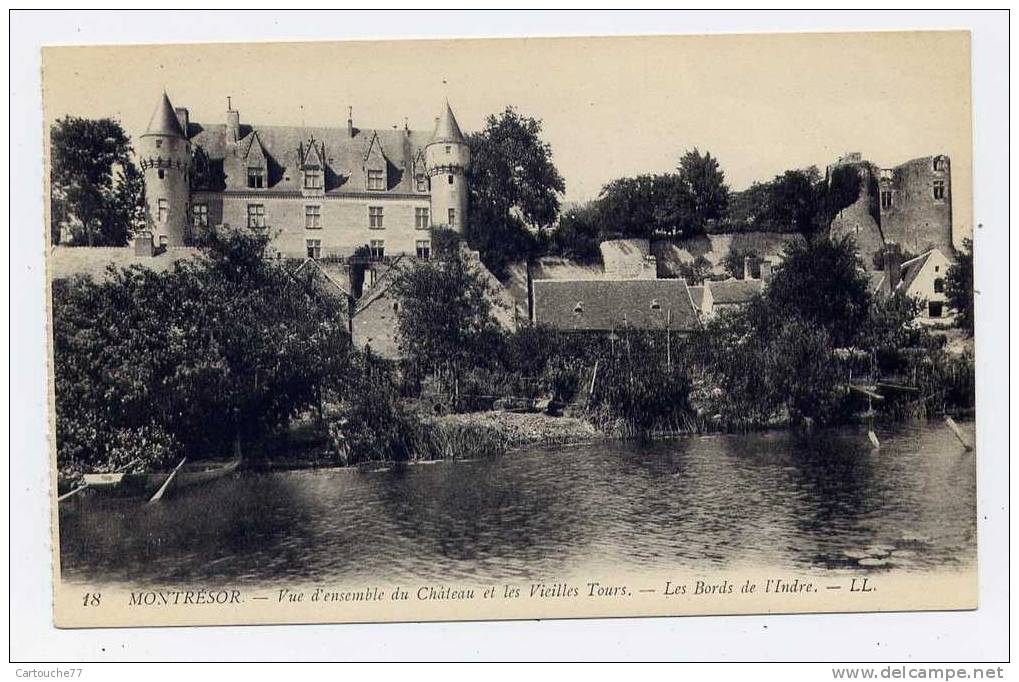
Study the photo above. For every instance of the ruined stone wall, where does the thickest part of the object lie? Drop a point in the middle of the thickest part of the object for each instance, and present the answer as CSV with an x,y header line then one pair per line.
x,y
858,220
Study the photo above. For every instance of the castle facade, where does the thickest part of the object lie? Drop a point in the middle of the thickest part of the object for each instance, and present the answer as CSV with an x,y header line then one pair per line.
x,y
319,192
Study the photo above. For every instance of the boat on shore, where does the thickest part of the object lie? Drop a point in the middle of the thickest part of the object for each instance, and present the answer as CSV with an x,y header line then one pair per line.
x,y
148,482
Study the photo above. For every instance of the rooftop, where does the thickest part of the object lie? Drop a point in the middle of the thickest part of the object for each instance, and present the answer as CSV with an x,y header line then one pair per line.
x,y
734,291
604,305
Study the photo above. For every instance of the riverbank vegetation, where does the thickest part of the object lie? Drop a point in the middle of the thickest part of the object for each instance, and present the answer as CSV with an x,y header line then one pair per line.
x,y
150,367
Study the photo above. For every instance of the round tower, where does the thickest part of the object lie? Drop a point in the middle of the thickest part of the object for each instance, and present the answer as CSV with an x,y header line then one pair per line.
x,y
447,157
165,156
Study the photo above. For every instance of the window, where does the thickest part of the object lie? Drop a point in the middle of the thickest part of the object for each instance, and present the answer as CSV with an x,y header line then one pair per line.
x,y
164,240
934,308
939,286
200,215
424,248
256,215
159,143
314,248
375,217
449,179
452,217
939,190
376,180
164,210
256,177
940,163
377,249
313,217
162,174
886,200
421,218
448,148
421,182
313,178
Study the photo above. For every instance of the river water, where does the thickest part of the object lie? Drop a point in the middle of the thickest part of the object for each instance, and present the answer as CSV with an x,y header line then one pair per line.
x,y
717,502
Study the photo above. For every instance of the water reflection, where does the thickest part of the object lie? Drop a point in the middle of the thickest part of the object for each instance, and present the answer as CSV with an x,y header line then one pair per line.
x,y
811,502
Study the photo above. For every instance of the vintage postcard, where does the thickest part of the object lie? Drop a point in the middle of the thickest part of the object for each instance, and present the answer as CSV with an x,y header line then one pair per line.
x,y
508,329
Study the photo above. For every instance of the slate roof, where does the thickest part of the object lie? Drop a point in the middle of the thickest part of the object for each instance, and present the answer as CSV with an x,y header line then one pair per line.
x,y
345,155
734,291
334,279
609,304
447,129
68,261
912,268
383,282
164,120
697,296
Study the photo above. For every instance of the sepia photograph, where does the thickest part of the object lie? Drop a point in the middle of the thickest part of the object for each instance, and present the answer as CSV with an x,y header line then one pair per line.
x,y
414,330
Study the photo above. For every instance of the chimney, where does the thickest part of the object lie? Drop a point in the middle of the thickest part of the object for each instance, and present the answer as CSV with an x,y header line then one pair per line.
x,y
183,119
350,121
765,270
233,123
143,245
893,267
748,265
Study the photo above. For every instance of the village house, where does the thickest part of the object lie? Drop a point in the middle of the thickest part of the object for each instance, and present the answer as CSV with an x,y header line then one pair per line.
x,y
921,278
604,305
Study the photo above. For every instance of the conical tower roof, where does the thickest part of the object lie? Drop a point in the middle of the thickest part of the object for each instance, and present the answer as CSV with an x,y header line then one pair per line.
x,y
164,120
447,130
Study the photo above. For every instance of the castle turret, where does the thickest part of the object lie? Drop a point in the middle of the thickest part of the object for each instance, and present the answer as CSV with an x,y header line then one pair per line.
x,y
165,160
447,157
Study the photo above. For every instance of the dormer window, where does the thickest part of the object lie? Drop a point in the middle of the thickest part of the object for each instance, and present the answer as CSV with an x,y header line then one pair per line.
x,y
579,308
421,182
312,177
940,164
256,177
376,181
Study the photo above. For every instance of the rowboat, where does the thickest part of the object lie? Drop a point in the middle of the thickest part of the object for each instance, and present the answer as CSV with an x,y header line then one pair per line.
x,y
146,482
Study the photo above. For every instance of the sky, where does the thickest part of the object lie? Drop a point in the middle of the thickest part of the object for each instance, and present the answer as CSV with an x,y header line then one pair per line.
x,y
610,107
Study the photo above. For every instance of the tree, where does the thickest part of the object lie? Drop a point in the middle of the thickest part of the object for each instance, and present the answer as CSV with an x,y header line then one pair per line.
x,y
841,190
644,206
514,188
85,153
226,344
821,282
444,320
747,210
577,234
735,262
792,203
959,287
703,194
695,272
